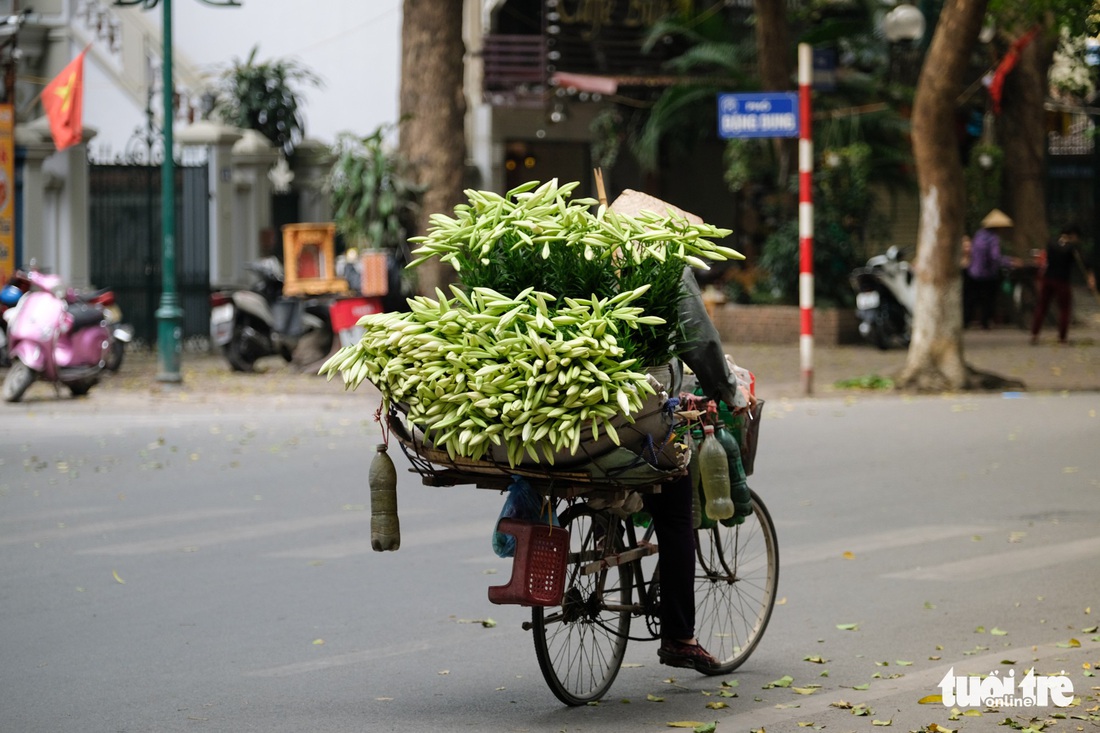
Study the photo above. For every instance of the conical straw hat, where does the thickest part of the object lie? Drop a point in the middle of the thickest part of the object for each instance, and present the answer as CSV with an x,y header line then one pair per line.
x,y
996,219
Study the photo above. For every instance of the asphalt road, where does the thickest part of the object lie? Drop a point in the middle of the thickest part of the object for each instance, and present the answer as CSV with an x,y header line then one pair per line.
x,y
186,564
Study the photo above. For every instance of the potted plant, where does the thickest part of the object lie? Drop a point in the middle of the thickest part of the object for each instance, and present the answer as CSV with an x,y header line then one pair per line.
x,y
374,202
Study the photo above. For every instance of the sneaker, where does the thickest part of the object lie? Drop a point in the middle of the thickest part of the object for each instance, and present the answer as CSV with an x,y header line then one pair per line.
x,y
690,656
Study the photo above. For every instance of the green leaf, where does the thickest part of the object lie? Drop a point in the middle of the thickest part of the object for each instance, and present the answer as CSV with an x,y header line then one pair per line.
x,y
998,632
848,627
784,681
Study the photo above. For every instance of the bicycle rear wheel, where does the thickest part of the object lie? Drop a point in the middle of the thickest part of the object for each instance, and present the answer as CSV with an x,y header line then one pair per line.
x,y
735,582
580,645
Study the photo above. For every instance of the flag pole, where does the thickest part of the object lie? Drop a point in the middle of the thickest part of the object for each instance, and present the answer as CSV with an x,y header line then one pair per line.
x,y
36,97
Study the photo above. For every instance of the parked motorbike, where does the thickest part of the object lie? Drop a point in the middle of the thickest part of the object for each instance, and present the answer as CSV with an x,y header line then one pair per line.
x,y
54,336
120,333
885,291
250,324
9,297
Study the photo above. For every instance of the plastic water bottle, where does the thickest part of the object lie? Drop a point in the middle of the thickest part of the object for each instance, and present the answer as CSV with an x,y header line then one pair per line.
x,y
715,469
739,487
385,530
694,478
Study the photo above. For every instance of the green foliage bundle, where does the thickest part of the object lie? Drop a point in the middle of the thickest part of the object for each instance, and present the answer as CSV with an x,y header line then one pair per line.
x,y
483,369
543,344
536,237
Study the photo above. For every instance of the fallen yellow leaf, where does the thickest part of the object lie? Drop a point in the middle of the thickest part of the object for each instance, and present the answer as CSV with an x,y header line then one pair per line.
x,y
318,642
930,700
717,705
118,579
684,724
849,555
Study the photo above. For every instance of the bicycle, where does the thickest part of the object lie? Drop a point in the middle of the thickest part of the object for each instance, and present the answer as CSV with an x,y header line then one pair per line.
x,y
580,644
581,634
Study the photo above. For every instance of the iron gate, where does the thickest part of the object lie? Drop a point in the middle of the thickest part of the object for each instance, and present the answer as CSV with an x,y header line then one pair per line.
x,y
126,245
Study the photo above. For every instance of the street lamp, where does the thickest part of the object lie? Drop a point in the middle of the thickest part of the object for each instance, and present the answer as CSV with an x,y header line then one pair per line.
x,y
169,314
904,24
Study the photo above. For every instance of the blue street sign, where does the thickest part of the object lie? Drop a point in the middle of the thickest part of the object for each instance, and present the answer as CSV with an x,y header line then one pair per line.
x,y
763,114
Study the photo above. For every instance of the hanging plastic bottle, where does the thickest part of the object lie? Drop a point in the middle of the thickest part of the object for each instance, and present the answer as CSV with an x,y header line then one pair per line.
x,y
715,469
694,478
385,529
739,488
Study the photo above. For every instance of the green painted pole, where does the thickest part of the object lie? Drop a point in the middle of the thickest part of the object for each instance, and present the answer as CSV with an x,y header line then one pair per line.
x,y
169,314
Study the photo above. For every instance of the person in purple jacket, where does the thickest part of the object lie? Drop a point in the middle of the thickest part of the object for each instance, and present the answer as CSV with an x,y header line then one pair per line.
x,y
985,265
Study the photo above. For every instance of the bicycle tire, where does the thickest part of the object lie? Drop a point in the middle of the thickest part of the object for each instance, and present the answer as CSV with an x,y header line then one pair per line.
x,y
580,644
737,573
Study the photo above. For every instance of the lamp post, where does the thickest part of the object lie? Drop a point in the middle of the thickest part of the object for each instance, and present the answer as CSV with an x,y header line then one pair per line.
x,y
169,314
904,24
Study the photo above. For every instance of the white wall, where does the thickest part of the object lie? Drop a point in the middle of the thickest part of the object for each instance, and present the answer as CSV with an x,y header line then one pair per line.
x,y
353,45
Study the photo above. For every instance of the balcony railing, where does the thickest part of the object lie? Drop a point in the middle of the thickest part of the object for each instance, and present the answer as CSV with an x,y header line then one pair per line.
x,y
514,69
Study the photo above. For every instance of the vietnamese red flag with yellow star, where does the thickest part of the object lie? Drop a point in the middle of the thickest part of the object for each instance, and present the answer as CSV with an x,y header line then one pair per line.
x,y
63,100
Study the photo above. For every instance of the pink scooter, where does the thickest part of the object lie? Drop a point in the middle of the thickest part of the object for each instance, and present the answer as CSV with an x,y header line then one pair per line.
x,y
55,337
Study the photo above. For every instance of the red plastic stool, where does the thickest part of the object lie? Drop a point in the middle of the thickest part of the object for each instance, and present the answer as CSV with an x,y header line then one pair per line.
x,y
538,567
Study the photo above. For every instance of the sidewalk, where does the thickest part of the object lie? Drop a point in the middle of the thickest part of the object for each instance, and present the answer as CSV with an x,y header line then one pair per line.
x,y
1006,351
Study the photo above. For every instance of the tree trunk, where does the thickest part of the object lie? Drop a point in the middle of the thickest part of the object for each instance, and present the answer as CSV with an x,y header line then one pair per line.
x,y
935,359
433,106
776,67
1022,130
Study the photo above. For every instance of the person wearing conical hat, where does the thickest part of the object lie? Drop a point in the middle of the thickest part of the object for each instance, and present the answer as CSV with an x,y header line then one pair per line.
x,y
985,265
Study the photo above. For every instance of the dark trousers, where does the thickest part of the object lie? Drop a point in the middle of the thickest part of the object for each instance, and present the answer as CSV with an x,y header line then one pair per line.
x,y
671,511
1058,291
984,299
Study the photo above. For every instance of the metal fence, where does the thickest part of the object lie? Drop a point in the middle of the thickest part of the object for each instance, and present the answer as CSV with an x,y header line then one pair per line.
x,y
126,243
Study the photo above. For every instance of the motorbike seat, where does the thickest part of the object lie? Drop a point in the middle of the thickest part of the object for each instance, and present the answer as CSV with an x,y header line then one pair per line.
x,y
84,315
92,296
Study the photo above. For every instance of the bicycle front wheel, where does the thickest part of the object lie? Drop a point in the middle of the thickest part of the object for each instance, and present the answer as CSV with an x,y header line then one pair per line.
x,y
735,582
580,645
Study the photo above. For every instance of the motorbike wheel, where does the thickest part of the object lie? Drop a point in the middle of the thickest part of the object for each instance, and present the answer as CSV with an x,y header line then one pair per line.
x,y
237,352
81,387
114,356
20,377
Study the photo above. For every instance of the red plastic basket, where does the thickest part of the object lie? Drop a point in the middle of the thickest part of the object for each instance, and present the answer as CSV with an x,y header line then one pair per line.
x,y
538,567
